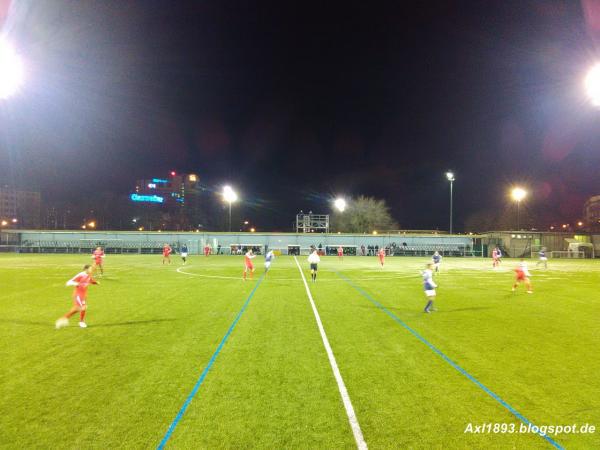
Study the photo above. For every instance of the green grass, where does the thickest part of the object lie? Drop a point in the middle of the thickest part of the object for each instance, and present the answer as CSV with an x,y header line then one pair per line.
x,y
152,330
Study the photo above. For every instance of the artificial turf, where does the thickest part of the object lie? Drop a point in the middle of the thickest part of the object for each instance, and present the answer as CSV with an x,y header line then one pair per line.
x,y
153,329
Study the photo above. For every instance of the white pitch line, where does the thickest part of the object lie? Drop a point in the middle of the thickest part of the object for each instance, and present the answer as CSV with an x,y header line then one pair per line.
x,y
358,436
179,270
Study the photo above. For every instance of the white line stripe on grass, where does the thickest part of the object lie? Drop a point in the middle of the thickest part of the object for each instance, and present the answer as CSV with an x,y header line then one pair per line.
x,y
358,436
180,270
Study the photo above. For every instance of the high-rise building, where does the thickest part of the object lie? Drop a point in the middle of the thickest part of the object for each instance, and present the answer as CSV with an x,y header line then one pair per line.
x,y
173,202
22,207
591,213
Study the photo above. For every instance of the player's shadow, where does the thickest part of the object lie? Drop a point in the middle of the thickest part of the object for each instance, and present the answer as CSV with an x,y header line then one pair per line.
x,y
130,323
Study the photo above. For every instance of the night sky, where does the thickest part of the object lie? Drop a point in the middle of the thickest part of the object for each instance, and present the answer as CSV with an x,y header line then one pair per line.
x,y
294,102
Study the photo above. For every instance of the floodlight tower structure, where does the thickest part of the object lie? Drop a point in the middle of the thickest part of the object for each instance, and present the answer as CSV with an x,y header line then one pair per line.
x,y
312,223
450,178
230,196
518,194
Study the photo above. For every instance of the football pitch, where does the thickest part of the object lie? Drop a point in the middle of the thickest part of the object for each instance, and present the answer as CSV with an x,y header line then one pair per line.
x,y
194,357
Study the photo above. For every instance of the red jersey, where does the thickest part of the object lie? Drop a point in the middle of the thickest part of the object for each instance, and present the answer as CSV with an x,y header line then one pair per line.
x,y
98,255
340,251
248,259
494,254
167,251
382,253
81,281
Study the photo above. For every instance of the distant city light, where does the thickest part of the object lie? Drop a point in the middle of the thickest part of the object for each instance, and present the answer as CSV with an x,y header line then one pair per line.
x,y
12,72
4,223
14,221
229,195
245,222
518,194
193,177
83,227
340,204
173,173
450,176
565,225
252,230
592,85
552,227
374,232
141,229
580,223
92,224
152,185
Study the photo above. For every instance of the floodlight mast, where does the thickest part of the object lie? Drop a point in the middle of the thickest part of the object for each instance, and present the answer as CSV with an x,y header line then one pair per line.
x,y
450,178
518,194
230,196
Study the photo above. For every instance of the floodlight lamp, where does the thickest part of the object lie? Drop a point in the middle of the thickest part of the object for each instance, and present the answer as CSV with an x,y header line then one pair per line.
x,y
340,204
450,176
12,72
592,85
229,195
518,194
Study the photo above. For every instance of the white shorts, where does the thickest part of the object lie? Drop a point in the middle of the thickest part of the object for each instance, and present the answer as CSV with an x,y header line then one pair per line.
x,y
543,258
430,293
184,255
267,264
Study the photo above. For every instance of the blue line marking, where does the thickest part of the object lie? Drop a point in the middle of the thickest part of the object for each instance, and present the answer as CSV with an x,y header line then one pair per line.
x,y
449,361
189,398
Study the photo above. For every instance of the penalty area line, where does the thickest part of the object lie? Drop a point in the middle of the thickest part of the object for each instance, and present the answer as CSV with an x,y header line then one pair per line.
x,y
352,419
446,358
190,397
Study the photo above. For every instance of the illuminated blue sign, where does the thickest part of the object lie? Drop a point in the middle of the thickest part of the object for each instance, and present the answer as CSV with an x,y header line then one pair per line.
x,y
159,180
147,198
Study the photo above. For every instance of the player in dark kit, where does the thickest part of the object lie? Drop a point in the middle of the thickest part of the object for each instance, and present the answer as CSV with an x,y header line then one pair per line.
x,y
183,251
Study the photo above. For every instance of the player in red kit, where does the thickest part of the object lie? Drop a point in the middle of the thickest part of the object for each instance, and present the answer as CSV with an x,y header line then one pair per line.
x,y
98,257
522,276
207,250
167,253
340,252
248,266
81,281
381,254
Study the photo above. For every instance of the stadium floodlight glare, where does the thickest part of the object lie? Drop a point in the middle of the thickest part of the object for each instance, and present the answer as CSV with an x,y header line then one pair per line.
x,y
450,176
230,196
12,72
340,204
518,194
592,85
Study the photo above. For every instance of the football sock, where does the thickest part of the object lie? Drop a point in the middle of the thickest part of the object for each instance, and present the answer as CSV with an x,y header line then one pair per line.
x,y
82,315
429,305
